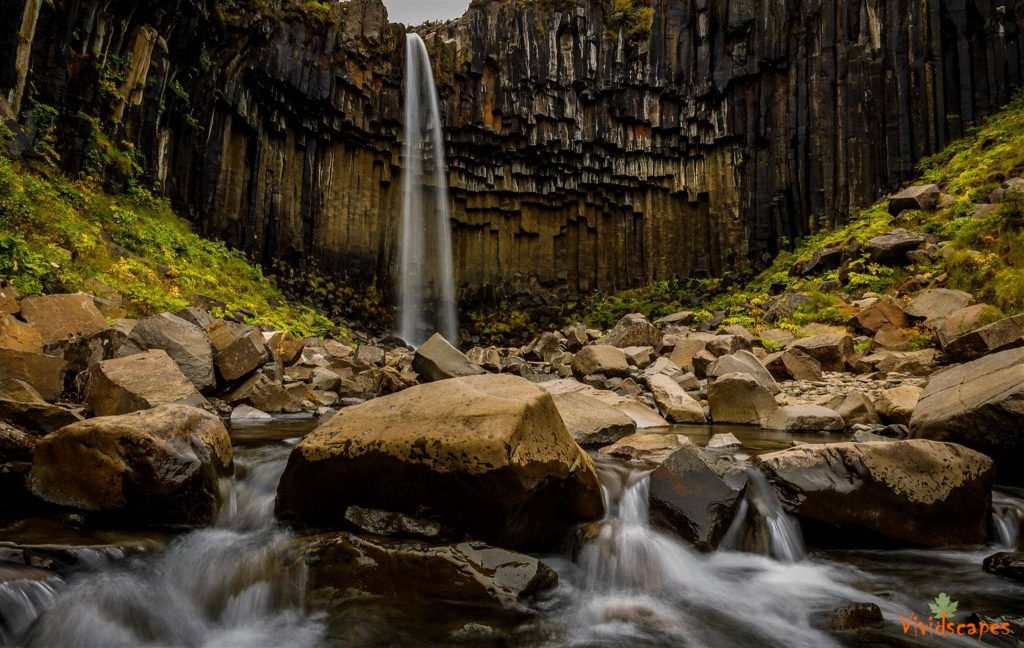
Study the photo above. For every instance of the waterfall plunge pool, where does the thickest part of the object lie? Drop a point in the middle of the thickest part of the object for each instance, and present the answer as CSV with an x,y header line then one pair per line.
x,y
241,583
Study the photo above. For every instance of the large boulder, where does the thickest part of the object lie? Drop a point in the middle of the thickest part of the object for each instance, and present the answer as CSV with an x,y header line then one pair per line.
x,y
642,415
685,347
9,299
980,405
436,359
633,330
18,336
793,364
959,322
673,401
900,493
896,405
893,247
1007,564
591,421
240,349
937,302
741,399
999,336
486,455
186,344
23,406
266,394
138,382
689,497
922,197
466,573
855,408
44,372
59,318
602,359
650,449
884,312
743,362
159,466
831,350
804,418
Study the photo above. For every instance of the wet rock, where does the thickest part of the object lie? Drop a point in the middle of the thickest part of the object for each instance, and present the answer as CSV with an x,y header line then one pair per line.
x,y
741,399
689,497
436,359
650,449
673,401
469,572
855,408
793,364
848,618
186,344
896,405
485,455
804,418
59,318
922,197
999,336
831,350
44,372
902,493
138,382
1007,565
937,302
18,336
979,405
743,362
631,331
159,466
590,421
600,359
880,313
22,405
892,248
394,525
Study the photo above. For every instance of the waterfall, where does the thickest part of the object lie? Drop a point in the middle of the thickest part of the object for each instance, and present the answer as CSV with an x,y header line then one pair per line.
x,y
426,279
761,524
1007,518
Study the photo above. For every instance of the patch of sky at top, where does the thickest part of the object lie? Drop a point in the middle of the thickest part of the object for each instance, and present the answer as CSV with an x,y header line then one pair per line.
x,y
414,12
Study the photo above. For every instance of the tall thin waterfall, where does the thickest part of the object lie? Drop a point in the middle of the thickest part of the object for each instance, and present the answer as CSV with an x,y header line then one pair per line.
x,y
426,280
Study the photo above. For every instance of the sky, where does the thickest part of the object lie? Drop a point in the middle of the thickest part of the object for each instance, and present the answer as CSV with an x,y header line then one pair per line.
x,y
413,12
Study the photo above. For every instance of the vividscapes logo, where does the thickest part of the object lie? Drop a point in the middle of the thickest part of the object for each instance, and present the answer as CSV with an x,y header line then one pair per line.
x,y
940,622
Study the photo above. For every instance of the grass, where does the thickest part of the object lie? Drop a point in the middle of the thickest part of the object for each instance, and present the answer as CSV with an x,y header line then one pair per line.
x,y
59,235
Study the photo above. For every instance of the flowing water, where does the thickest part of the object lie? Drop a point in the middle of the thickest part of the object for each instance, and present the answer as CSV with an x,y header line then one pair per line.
x,y
426,280
622,582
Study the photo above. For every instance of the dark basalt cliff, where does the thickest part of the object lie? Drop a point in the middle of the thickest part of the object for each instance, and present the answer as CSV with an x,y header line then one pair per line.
x,y
581,156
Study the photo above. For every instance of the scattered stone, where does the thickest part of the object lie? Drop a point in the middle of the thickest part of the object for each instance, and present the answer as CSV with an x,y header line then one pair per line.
x,y
673,401
138,382
437,359
793,364
633,330
688,346
743,362
741,399
831,350
601,359
59,318
723,441
979,405
264,393
901,493
681,318
881,313
22,405
689,497
937,302
896,405
639,357
468,573
285,346
485,455
243,354
650,449
159,466
1006,564
999,336
44,372
186,344
195,315
958,323
249,414
855,408
804,418
893,247
374,356
922,197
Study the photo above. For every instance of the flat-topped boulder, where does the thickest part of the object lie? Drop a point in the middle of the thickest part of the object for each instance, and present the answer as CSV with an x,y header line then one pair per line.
x,y
896,405
59,318
793,364
922,197
831,350
899,493
159,466
744,362
437,359
18,336
1007,333
485,455
880,313
893,247
186,344
937,302
23,406
138,382
601,359
741,399
673,401
647,448
591,421
642,415
979,405
804,418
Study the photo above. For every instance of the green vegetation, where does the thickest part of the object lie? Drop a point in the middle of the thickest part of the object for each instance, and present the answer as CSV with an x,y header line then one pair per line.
x,y
634,18
57,235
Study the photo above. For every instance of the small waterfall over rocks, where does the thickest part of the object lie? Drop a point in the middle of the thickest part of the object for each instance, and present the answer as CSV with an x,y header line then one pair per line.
x,y
1008,519
426,279
762,526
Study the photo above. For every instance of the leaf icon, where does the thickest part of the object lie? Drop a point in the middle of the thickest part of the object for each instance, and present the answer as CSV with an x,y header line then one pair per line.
x,y
943,607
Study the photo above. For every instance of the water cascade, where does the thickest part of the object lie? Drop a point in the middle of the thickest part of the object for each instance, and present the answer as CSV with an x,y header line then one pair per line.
x,y
762,526
426,279
1008,518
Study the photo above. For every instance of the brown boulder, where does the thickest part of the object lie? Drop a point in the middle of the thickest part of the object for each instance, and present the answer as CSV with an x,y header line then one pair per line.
x,y
9,300
740,399
884,312
633,330
1007,333
138,382
243,354
45,373
437,359
793,364
18,336
159,466
650,449
600,359
832,350
590,421
23,406
486,455
59,318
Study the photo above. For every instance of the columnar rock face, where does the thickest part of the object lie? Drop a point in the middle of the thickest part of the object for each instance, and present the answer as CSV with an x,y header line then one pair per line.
x,y
581,156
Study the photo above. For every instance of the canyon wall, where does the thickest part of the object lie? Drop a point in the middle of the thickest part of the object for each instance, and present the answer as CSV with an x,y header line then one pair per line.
x,y
585,153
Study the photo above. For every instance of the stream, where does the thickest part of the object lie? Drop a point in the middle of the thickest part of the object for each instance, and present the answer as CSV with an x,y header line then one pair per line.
x,y
241,582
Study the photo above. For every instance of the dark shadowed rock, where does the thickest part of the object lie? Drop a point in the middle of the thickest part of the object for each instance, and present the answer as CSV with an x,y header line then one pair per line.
x,y
23,406
849,618
158,466
485,455
1006,564
901,493
893,247
436,359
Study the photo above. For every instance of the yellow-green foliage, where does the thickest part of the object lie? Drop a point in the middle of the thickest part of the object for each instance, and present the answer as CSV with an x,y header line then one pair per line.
x,y
56,235
633,17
